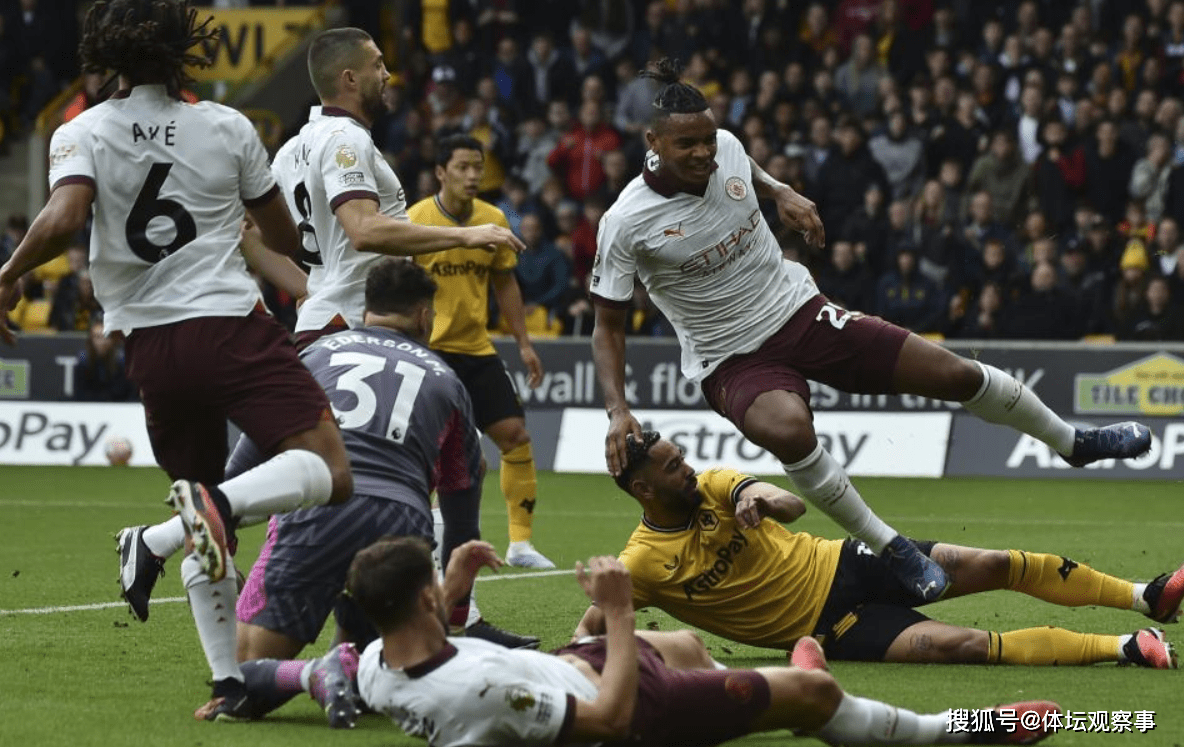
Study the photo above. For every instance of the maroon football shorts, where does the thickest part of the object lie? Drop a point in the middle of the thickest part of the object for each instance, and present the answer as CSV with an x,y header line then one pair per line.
x,y
309,336
820,342
685,707
196,374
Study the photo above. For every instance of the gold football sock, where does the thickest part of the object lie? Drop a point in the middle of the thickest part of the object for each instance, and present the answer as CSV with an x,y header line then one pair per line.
x,y
520,487
1061,581
1051,646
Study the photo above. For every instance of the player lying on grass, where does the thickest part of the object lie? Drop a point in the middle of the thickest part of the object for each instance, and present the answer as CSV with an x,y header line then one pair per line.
x,y
704,554
628,687
408,429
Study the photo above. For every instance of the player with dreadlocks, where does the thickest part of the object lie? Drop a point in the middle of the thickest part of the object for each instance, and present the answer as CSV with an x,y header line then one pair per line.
x,y
169,182
754,328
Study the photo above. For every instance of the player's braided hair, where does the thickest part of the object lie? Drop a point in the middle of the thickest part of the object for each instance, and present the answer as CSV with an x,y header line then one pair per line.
x,y
637,453
674,96
145,41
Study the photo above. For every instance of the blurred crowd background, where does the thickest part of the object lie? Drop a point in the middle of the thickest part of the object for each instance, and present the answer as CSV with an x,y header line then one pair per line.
x,y
984,170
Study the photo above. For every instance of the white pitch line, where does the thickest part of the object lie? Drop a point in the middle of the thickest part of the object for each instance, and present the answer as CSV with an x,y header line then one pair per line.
x,y
175,600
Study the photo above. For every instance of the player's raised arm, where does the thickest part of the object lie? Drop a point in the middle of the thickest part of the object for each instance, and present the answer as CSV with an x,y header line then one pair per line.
x,y
608,351
796,211
606,581
760,499
61,218
371,231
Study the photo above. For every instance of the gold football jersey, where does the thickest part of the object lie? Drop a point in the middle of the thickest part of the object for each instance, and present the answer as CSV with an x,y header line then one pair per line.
x,y
462,302
763,586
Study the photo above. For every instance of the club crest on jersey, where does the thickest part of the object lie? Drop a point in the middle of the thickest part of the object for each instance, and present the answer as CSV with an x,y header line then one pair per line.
x,y
346,157
736,188
708,520
520,699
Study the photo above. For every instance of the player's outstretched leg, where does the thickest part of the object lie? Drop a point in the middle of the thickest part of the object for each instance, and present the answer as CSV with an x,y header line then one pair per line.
x,y
139,568
1003,399
331,684
822,480
205,523
1148,648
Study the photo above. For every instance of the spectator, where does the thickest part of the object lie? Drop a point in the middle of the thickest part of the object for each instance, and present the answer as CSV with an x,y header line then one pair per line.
x,y
445,104
858,79
585,57
1131,288
1028,127
1108,161
100,374
577,157
15,229
902,156
845,280
818,149
543,272
552,75
536,140
1156,318
1003,175
609,23
1041,311
981,224
981,321
1149,178
617,175
512,74
46,40
845,175
583,238
74,306
959,136
1086,287
867,230
1167,246
907,298
647,319
1058,175
515,202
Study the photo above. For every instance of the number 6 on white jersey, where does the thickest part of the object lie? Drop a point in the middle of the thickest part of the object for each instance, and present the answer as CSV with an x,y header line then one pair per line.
x,y
363,366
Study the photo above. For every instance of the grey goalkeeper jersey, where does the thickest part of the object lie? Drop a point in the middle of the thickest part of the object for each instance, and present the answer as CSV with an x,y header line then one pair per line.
x,y
406,419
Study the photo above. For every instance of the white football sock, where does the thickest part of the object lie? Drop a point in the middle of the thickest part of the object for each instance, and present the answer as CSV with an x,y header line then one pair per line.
x,y
166,538
213,611
1004,400
1138,603
438,536
864,721
289,480
822,481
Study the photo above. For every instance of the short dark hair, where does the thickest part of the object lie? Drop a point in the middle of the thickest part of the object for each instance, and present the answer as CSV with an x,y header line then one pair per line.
x,y
386,578
145,41
674,96
396,285
332,51
637,454
449,145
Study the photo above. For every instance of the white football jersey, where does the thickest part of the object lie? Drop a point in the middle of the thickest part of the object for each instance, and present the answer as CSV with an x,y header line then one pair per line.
x,y
288,168
710,263
342,164
170,181
476,693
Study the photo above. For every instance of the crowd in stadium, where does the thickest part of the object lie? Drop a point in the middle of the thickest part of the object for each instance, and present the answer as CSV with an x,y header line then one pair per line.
x,y
983,169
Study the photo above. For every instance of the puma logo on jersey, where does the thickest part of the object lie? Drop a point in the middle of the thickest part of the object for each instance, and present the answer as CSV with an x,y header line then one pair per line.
x,y
673,564
676,231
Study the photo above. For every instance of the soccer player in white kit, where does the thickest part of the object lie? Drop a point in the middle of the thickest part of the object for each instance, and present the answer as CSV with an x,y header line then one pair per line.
x,y
754,328
168,182
659,689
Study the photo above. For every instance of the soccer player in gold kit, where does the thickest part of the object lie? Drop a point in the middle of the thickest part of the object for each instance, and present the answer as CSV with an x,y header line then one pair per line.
x,y
704,554
460,336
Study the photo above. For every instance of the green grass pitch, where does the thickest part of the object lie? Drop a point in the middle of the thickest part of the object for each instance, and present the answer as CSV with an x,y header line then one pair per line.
x,y
96,676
